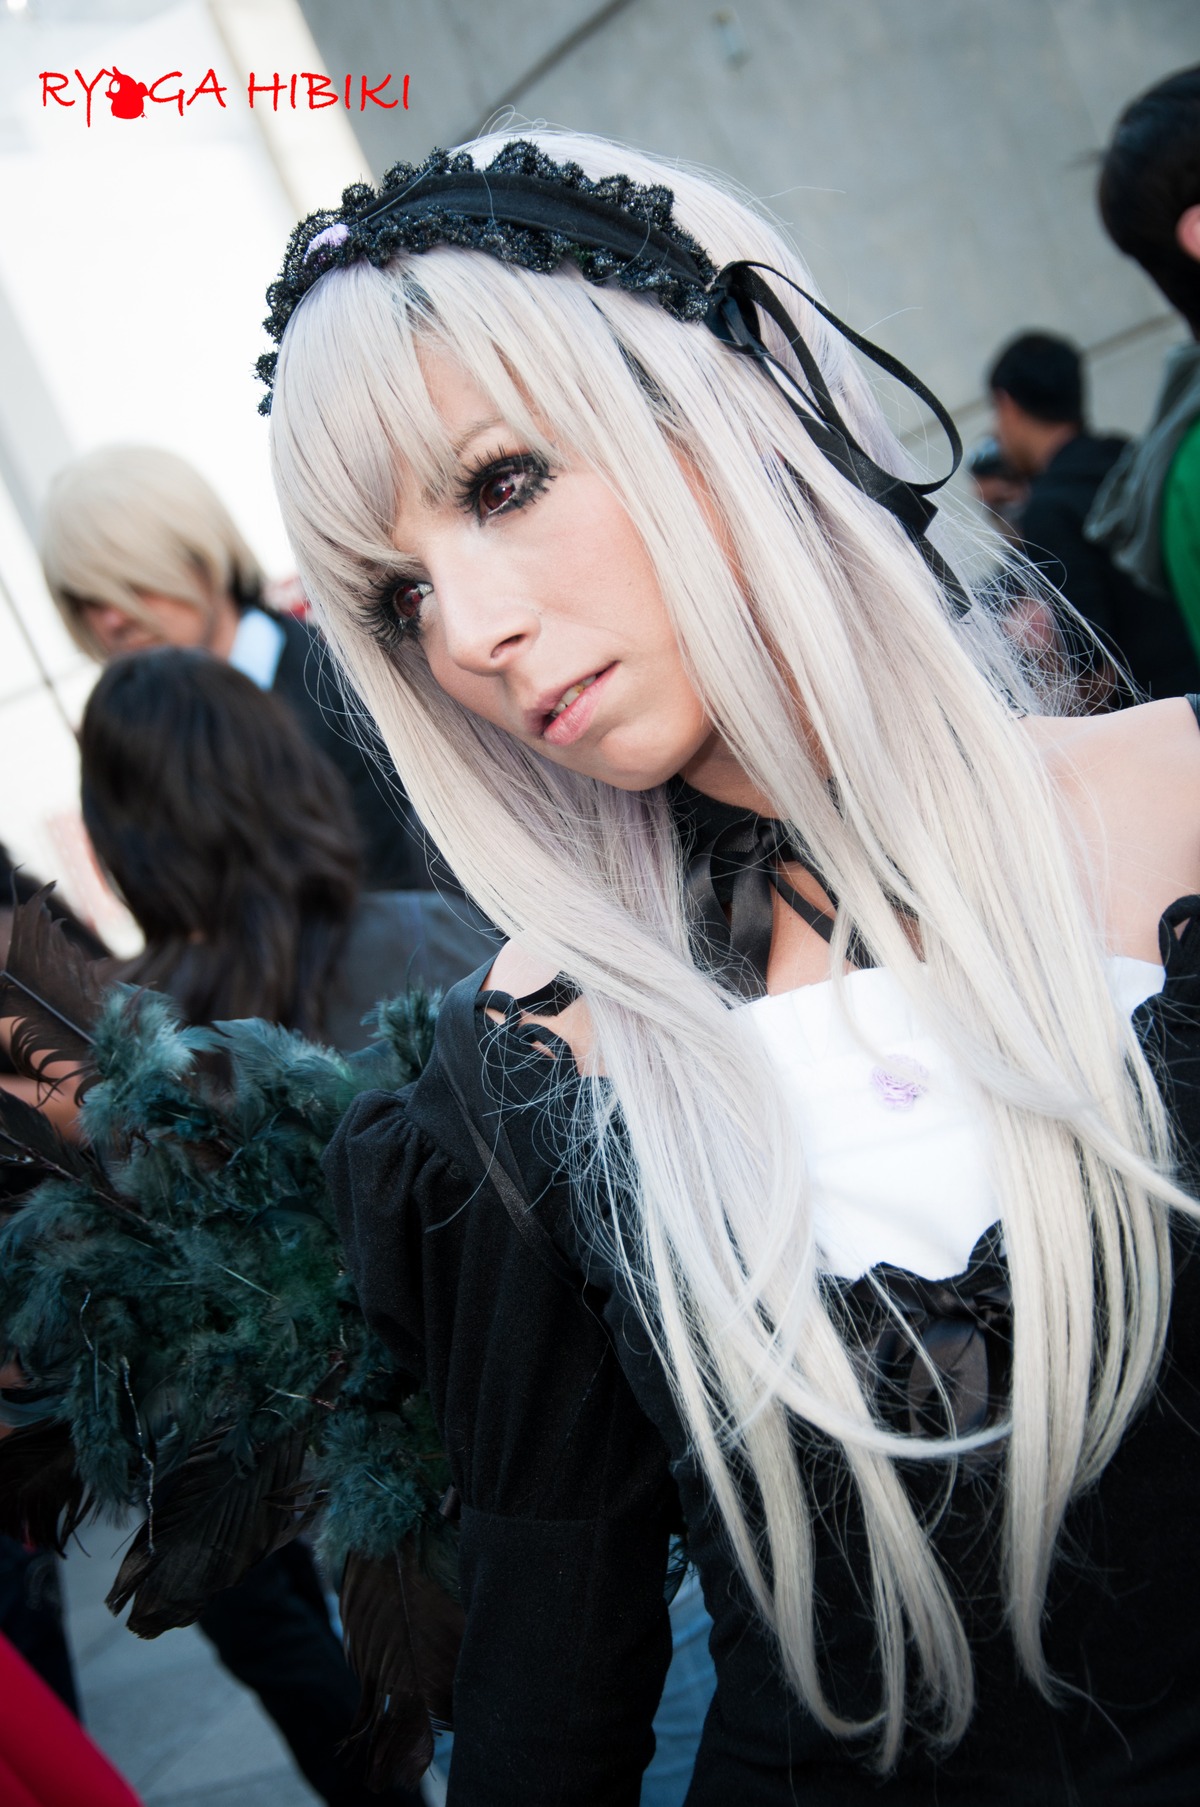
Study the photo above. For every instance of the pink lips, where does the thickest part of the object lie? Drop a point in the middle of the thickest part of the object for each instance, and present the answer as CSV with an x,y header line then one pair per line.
x,y
577,716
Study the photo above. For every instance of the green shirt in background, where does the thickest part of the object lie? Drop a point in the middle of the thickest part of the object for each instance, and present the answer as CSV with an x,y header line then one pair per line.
x,y
1181,530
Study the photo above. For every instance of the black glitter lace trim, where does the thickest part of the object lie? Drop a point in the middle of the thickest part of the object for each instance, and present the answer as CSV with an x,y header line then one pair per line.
x,y
374,233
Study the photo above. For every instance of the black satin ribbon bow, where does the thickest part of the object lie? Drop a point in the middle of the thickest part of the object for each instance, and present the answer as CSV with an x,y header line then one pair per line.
x,y
731,878
737,295
940,1359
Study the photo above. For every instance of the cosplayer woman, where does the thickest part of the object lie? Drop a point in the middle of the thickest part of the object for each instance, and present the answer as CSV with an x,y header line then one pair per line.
x,y
798,1163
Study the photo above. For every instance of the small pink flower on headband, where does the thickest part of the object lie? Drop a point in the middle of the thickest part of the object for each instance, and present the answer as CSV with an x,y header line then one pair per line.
x,y
337,234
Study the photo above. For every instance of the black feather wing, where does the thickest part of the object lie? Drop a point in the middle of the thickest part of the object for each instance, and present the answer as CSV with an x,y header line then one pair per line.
x,y
42,1499
54,993
211,1522
32,1150
402,1633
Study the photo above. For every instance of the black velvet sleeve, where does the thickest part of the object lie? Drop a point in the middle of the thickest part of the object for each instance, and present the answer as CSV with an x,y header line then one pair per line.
x,y
567,1501
1169,1026
378,1170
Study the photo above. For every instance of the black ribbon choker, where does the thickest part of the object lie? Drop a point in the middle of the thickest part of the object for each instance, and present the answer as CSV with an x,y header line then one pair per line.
x,y
731,861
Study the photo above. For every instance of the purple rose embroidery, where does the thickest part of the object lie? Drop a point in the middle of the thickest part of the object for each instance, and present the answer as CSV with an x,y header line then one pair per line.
x,y
900,1091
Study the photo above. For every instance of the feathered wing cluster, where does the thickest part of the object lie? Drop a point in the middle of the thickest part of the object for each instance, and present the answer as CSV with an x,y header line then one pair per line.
x,y
174,1293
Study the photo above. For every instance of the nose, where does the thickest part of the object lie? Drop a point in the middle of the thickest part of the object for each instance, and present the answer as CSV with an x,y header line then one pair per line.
x,y
109,623
487,620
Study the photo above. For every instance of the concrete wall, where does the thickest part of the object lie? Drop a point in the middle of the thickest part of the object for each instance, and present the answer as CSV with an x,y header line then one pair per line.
x,y
933,159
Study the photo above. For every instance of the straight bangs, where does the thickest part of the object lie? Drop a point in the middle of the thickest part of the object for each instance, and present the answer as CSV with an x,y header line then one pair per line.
x,y
704,455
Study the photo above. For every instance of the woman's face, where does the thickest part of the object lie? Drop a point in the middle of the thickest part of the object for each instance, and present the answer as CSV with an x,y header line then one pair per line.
x,y
538,608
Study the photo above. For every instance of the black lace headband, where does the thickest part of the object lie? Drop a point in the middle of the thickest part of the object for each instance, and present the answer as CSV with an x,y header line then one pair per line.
x,y
528,210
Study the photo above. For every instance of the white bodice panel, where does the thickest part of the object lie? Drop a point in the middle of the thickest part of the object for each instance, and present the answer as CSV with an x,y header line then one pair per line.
x,y
896,1153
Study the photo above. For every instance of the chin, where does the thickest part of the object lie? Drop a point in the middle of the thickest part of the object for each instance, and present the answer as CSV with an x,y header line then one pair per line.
x,y
641,775
638,766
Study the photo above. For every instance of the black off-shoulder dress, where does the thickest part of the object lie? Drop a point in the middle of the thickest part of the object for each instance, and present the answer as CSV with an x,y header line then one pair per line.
x,y
572,1468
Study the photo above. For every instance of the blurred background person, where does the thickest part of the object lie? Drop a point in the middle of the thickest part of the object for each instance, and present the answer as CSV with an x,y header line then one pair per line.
x,y
1002,492
1037,391
31,1603
1147,515
139,552
1000,489
34,1646
45,1759
17,885
228,834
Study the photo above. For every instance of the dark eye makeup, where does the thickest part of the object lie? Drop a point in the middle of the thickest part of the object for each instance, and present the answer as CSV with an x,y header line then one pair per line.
x,y
502,482
394,608
499,484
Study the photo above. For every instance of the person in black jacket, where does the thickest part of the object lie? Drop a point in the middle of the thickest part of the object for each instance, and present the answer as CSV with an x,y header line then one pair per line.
x,y
139,551
1037,393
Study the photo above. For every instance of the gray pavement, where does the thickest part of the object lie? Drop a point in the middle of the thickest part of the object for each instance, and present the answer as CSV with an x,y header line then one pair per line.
x,y
180,1729
177,1726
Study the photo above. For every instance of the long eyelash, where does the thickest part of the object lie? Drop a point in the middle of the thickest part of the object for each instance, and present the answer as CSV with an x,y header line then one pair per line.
x,y
500,464
379,615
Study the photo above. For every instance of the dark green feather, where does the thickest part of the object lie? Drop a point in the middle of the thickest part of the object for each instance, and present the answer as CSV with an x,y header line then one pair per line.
x,y
176,1293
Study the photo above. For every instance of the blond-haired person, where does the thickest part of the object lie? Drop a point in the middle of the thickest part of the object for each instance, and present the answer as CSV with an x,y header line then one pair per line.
x,y
139,551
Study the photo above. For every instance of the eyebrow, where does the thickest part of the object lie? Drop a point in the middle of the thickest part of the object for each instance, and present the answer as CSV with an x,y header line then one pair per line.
x,y
459,444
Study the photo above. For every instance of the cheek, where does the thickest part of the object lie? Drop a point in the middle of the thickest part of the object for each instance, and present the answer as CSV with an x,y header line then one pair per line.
x,y
174,623
470,691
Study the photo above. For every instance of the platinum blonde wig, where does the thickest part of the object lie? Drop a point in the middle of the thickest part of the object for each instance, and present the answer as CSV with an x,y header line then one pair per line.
x,y
794,601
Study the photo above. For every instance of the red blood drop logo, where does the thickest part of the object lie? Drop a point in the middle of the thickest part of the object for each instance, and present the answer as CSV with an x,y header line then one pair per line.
x,y
127,97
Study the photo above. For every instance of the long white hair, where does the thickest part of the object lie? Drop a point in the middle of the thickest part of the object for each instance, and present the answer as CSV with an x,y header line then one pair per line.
x,y
793,602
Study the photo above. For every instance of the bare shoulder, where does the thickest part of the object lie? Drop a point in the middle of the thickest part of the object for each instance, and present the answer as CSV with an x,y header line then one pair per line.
x,y
1144,759
518,972
1131,783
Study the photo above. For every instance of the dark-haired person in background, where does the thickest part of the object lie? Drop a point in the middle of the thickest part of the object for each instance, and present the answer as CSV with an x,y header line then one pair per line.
x,y
1000,489
18,885
229,835
1147,516
1037,393
139,551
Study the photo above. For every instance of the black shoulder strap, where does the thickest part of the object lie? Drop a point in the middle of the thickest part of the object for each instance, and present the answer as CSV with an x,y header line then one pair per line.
x,y
462,1068
1194,700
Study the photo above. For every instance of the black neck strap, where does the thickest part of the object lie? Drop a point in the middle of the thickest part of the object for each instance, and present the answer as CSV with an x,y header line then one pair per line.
x,y
731,863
